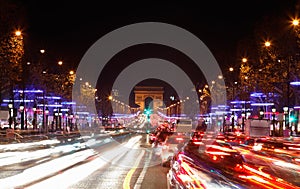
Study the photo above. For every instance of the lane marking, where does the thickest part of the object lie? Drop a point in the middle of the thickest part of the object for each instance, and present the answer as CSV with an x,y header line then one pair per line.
x,y
138,184
126,183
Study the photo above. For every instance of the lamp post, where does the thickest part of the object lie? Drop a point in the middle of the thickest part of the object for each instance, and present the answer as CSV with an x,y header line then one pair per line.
x,y
22,115
248,114
56,119
286,117
34,122
46,124
243,121
66,123
11,114
71,121
59,116
232,121
273,119
261,113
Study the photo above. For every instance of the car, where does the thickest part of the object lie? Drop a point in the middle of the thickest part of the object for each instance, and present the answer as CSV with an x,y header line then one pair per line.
x,y
171,145
204,167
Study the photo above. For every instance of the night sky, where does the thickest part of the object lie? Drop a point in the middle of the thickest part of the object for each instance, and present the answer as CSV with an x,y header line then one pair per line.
x,y
68,28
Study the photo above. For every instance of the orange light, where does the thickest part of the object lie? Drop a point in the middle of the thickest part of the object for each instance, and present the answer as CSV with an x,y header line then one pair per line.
x,y
295,22
267,43
215,158
18,33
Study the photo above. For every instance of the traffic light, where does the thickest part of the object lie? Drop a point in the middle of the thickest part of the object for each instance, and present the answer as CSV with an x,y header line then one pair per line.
x,y
292,119
148,112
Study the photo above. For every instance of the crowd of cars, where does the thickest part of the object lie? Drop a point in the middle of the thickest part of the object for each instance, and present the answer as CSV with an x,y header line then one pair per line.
x,y
203,159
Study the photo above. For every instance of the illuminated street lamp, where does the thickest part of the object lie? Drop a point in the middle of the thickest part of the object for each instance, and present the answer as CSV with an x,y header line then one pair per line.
x,y
47,114
18,33
295,22
60,118
261,113
273,119
56,119
22,114
11,114
267,43
248,114
286,116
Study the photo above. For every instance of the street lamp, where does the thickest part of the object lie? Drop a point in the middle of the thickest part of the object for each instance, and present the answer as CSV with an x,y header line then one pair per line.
x,y
286,116
295,22
60,116
232,121
71,121
56,119
66,123
22,114
243,121
18,33
273,119
34,116
267,43
261,113
248,114
244,60
46,113
10,109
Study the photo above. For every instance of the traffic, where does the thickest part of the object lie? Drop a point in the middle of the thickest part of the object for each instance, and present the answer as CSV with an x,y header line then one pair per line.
x,y
207,159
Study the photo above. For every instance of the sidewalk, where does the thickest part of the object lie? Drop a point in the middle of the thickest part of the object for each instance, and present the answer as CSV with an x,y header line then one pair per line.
x,y
23,136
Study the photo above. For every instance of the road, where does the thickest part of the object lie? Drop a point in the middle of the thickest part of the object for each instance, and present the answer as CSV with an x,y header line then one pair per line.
x,y
121,161
115,160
